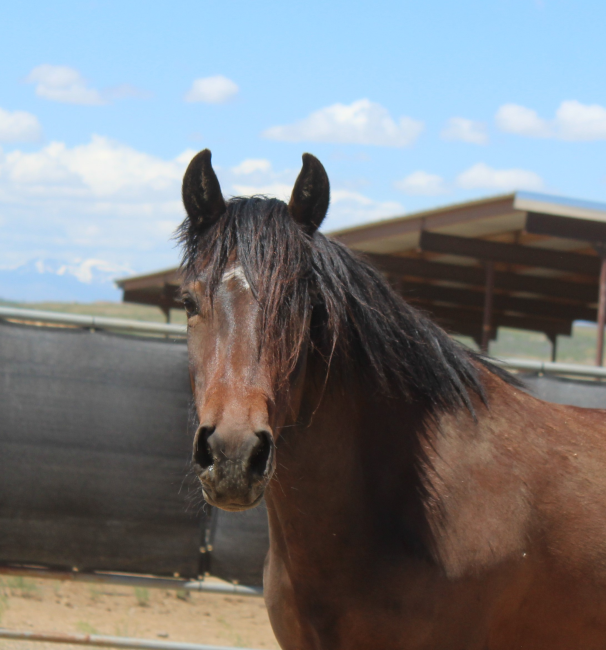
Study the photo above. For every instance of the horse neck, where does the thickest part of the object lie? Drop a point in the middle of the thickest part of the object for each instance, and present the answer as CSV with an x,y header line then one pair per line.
x,y
342,477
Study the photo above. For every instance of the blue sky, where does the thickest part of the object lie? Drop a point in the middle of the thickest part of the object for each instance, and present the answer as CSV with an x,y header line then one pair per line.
x,y
408,105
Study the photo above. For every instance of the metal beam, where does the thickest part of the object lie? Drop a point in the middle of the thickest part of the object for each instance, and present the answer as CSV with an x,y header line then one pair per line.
x,y
554,348
586,230
105,641
168,276
599,356
468,321
161,297
501,303
488,305
474,275
559,206
509,253
546,368
150,582
90,322
362,237
453,323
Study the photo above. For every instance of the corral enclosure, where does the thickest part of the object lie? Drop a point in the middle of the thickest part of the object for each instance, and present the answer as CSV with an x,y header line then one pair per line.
x,y
157,614
95,444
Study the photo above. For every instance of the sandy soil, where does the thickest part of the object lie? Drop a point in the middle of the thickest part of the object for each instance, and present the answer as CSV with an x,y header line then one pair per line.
x,y
50,606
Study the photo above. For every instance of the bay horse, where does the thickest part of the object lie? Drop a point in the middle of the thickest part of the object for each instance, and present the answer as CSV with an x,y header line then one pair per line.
x,y
418,497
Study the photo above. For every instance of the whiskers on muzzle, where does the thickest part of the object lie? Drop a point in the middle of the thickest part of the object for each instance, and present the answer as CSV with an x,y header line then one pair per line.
x,y
233,467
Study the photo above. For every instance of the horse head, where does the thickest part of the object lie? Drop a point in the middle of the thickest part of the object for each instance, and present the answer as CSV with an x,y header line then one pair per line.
x,y
249,305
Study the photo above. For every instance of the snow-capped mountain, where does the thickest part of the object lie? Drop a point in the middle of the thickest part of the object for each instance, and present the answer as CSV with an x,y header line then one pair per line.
x,y
56,280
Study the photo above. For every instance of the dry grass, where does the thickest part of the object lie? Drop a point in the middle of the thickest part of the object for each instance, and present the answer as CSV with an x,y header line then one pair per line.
x,y
130,311
50,606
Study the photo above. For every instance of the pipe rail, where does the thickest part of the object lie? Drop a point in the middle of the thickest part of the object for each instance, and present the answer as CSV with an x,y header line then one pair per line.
x,y
151,582
103,323
91,322
107,641
551,368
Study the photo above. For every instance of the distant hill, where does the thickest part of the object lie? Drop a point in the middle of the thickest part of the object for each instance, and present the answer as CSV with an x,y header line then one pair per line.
x,y
53,280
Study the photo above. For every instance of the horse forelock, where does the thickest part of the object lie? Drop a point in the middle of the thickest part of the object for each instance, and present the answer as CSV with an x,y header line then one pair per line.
x,y
316,291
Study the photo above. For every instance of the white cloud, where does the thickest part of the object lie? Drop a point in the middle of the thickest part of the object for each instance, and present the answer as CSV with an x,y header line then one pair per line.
x,y
460,128
103,205
481,176
97,201
513,118
347,206
251,165
19,126
576,121
350,208
212,90
257,176
573,121
83,270
421,183
60,83
362,122
278,190
100,169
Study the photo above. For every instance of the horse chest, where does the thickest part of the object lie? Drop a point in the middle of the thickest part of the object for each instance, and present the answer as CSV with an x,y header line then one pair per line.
x,y
368,624
433,622
370,607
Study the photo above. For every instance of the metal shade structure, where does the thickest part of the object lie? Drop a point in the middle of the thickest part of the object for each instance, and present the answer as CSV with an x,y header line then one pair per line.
x,y
160,289
522,260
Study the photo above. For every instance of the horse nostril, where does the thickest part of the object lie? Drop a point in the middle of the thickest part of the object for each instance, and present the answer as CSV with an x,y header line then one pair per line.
x,y
202,453
261,454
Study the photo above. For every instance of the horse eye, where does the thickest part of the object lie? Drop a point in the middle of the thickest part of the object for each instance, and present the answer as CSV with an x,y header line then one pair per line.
x,y
190,306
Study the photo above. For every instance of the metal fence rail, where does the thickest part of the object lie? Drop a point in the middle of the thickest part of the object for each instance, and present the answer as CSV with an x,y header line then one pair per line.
x,y
150,582
107,641
91,322
551,368
100,322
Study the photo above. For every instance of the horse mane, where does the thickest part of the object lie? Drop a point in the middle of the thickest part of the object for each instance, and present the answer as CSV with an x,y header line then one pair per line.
x,y
315,291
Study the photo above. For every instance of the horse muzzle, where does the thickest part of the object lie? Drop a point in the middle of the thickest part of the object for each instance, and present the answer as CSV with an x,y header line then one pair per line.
x,y
233,467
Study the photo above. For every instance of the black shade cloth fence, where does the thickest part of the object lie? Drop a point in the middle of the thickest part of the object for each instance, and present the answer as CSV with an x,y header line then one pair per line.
x,y
588,393
95,441
94,457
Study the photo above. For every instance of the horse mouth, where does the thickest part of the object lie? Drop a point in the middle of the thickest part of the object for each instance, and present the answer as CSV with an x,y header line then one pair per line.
x,y
232,506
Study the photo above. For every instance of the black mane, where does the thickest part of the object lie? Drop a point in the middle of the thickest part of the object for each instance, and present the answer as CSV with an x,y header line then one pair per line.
x,y
359,324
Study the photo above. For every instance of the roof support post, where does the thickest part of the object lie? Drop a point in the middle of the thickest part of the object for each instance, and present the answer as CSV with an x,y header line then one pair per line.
x,y
488,300
553,338
599,357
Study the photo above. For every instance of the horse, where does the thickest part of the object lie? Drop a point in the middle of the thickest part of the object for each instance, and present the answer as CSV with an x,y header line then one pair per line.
x,y
418,496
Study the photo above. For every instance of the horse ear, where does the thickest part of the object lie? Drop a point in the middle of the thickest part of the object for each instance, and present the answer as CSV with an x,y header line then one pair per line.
x,y
201,191
311,195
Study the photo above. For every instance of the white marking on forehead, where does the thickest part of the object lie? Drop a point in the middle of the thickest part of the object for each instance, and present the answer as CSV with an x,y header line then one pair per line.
x,y
238,273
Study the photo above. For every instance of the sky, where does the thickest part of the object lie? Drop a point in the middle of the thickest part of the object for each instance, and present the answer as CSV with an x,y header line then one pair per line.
x,y
409,105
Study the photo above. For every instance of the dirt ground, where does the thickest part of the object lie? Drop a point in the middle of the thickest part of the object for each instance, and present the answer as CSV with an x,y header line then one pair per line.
x,y
51,606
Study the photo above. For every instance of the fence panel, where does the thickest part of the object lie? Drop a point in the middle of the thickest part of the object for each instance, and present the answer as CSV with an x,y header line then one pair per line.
x,y
94,451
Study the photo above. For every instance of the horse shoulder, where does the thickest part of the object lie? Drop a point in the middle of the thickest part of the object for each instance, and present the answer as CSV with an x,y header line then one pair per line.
x,y
570,489
524,473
